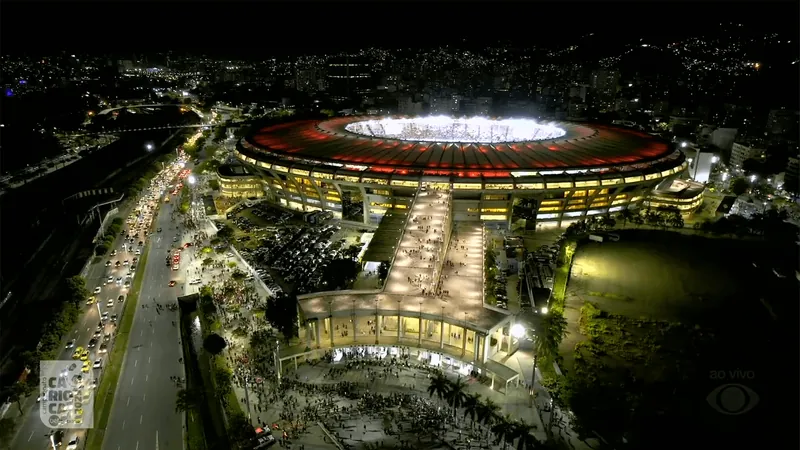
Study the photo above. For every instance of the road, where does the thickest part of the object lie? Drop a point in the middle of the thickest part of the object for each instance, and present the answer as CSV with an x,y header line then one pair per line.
x,y
32,433
143,415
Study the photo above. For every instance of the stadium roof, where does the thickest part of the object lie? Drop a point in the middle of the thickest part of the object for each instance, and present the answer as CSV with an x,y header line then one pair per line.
x,y
582,147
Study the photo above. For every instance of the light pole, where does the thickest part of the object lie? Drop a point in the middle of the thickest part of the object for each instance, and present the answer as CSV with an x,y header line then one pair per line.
x,y
278,359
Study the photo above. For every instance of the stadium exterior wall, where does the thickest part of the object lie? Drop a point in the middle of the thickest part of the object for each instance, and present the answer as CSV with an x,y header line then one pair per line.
x,y
364,196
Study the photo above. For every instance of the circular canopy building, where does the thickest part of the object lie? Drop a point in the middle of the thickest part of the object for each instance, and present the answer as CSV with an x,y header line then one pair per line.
x,y
545,174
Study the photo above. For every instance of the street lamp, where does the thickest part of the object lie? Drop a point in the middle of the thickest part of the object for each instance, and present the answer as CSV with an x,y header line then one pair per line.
x,y
518,331
149,147
192,179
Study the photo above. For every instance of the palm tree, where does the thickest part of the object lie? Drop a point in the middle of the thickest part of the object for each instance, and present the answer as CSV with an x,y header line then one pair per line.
x,y
438,387
503,430
455,394
522,433
471,404
488,412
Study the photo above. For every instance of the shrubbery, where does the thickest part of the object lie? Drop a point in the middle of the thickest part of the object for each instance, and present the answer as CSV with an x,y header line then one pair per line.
x,y
105,243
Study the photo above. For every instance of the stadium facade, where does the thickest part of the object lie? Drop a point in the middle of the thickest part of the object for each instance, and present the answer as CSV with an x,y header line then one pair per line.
x,y
508,172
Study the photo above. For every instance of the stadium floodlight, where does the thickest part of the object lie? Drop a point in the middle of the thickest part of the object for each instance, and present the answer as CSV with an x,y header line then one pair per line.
x,y
449,129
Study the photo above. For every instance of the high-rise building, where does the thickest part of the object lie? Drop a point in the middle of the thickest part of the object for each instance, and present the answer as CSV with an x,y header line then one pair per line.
x,y
783,122
741,153
306,80
347,77
791,180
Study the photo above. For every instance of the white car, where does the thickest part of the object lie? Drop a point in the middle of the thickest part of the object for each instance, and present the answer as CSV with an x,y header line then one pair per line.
x,y
73,443
70,344
110,303
98,364
97,290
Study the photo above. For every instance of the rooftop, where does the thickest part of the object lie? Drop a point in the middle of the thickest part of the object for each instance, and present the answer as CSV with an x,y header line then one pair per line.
x,y
233,170
679,188
580,147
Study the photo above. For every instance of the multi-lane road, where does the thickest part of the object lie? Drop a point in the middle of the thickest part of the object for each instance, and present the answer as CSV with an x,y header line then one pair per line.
x,y
144,416
31,432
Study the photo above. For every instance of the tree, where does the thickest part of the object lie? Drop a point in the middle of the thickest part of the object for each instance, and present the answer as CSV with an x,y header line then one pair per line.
x,y
186,400
522,433
438,387
7,427
222,380
225,233
503,429
219,134
488,412
238,275
282,314
18,393
739,186
471,405
213,184
555,326
214,344
456,394
240,430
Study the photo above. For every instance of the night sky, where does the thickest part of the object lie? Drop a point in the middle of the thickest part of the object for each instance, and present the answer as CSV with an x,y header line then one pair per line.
x,y
254,29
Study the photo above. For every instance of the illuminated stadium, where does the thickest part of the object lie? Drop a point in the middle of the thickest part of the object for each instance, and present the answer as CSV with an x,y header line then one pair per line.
x,y
514,172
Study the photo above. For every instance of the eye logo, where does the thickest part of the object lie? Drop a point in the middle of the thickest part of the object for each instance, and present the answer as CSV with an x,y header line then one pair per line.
x,y
732,399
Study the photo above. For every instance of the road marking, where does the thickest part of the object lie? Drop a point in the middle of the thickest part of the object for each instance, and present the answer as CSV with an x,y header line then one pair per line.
x,y
137,444
29,437
132,378
141,333
140,422
128,403
146,377
144,397
148,360
135,362
151,345
123,425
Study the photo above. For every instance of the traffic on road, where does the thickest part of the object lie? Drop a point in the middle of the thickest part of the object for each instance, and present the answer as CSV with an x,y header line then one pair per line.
x,y
109,280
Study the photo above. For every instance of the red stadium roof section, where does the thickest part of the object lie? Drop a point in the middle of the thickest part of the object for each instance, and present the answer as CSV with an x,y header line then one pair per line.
x,y
582,147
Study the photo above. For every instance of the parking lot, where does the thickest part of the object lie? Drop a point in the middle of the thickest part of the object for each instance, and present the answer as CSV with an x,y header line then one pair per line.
x,y
274,242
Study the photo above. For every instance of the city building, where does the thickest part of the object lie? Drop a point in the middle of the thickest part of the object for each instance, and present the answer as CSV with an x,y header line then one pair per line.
x,y
685,195
741,153
791,181
700,162
545,175
783,122
236,182
747,206
347,77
